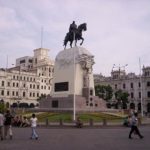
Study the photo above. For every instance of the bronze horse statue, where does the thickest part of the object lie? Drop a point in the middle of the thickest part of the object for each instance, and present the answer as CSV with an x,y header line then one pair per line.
x,y
76,35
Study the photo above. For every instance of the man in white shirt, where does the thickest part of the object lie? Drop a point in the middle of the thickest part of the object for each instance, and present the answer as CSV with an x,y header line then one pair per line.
x,y
33,121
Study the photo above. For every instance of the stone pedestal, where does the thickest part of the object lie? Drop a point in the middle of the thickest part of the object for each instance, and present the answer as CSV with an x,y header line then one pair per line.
x,y
73,75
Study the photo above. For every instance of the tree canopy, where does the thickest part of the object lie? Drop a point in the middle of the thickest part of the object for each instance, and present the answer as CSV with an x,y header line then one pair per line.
x,y
104,91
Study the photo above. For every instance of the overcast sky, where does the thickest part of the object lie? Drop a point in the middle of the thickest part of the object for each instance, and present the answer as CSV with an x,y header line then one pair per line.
x,y
118,31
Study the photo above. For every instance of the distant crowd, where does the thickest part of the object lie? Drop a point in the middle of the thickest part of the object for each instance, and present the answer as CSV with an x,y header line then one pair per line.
x,y
19,121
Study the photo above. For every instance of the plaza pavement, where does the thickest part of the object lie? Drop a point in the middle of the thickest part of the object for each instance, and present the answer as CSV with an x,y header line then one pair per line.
x,y
77,139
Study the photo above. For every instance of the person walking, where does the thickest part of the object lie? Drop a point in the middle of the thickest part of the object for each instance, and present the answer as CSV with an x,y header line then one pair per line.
x,y
8,125
1,126
33,121
134,126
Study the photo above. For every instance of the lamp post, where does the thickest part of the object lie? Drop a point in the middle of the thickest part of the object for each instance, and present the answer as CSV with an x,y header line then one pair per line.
x,y
141,99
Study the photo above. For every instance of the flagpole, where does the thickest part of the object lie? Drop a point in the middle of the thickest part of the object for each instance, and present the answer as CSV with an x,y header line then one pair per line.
x,y
141,89
74,103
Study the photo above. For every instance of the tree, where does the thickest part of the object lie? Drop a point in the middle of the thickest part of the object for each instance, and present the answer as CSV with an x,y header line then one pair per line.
x,y
2,106
104,91
122,98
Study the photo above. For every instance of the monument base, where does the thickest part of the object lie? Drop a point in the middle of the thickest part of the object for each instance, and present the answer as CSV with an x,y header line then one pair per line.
x,y
67,103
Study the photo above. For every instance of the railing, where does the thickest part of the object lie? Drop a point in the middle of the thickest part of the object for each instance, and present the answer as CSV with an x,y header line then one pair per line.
x,y
90,123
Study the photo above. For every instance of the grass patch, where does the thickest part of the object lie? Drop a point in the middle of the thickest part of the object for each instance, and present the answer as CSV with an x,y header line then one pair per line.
x,y
85,117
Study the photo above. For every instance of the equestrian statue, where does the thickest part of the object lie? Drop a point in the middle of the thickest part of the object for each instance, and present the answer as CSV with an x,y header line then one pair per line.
x,y
75,34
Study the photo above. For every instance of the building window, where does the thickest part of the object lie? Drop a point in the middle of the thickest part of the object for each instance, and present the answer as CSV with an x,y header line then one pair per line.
x,y
139,84
132,95
91,99
33,94
7,93
30,61
24,94
2,92
13,84
45,87
30,94
24,85
3,83
8,84
91,104
17,84
22,61
30,79
41,87
35,60
147,73
148,83
91,92
37,86
24,78
16,93
37,94
13,93
131,85
31,86
13,77
124,86
115,86
139,94
87,103
148,94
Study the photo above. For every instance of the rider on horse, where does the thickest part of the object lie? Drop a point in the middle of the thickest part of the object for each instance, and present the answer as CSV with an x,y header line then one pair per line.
x,y
74,34
73,27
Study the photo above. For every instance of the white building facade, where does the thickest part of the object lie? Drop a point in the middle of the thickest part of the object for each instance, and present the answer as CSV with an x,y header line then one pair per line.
x,y
28,80
137,86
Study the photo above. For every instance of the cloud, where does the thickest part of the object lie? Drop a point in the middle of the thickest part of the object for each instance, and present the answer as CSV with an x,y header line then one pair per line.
x,y
118,31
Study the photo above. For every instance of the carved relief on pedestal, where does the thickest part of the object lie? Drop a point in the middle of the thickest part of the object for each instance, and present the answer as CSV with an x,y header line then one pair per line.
x,y
86,63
